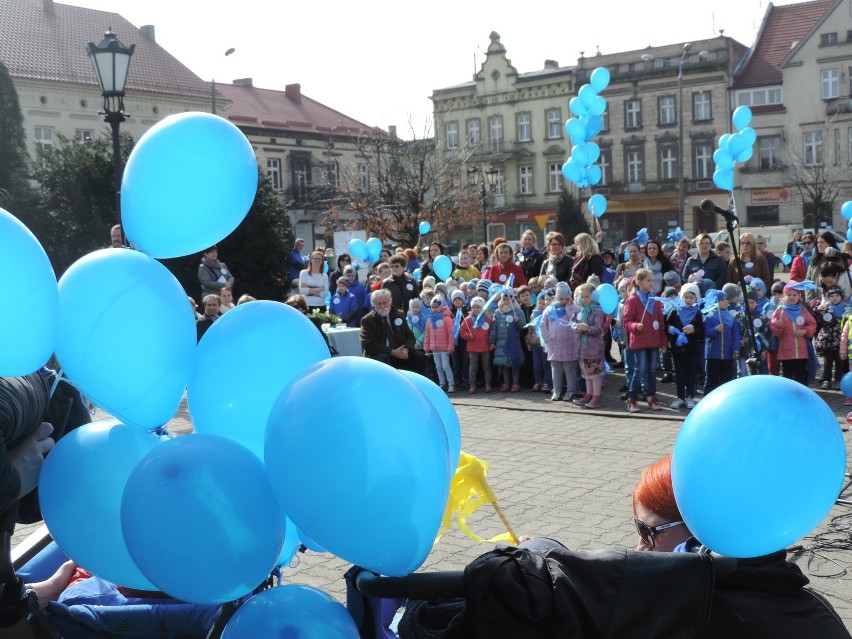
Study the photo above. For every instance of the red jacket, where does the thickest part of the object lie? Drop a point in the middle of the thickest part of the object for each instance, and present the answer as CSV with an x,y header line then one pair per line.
x,y
790,346
439,339
477,340
650,336
504,270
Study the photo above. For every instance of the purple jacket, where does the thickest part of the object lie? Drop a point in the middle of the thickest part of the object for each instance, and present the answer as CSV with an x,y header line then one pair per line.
x,y
593,348
562,341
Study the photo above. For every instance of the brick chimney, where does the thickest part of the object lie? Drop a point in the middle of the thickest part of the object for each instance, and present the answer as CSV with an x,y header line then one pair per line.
x,y
551,64
244,82
294,92
149,31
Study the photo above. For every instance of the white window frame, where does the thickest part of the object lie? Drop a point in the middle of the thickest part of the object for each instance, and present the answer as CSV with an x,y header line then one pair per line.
x,y
605,162
554,124
525,180
702,101
500,183
554,177
667,110
812,148
703,160
524,124
83,136
632,114
769,152
760,97
273,172
634,162
363,178
495,132
668,162
474,132
830,83
452,134
43,136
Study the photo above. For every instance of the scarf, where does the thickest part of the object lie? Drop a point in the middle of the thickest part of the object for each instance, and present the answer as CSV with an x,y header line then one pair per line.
x,y
583,316
557,310
435,317
655,267
420,317
212,264
794,311
687,314
837,309
648,301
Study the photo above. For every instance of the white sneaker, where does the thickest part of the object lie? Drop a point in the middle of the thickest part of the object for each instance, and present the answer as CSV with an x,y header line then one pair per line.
x,y
690,403
678,403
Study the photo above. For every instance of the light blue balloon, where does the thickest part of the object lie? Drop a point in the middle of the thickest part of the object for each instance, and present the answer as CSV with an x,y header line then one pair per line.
x,y
424,228
594,174
593,124
846,210
723,160
607,298
749,135
447,412
292,610
80,490
360,466
374,248
189,182
846,384
745,154
598,106
724,179
787,258
443,267
593,152
741,117
577,107
736,143
28,322
599,79
127,335
268,344
587,95
575,130
416,274
723,140
722,472
213,499
572,171
597,204
580,155
358,248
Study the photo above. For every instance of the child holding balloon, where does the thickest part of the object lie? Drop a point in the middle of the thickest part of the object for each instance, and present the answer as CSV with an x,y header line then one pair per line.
x,y
792,324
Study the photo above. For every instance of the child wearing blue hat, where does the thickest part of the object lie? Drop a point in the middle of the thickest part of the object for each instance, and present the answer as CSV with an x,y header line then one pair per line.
x,y
721,341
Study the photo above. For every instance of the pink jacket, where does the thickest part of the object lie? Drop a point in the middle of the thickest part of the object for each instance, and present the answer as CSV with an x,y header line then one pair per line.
x,y
790,346
562,341
439,339
477,339
651,335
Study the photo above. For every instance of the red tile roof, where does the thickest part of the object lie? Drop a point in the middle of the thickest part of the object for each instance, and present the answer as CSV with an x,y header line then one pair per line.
x,y
272,109
38,44
782,27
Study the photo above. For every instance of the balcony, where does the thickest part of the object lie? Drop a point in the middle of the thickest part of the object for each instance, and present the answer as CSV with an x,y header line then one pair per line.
x,y
834,106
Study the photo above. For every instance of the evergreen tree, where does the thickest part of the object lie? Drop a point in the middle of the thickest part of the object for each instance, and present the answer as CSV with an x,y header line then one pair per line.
x,y
569,217
16,195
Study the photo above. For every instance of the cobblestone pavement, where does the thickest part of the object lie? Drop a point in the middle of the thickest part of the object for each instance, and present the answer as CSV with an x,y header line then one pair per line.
x,y
564,472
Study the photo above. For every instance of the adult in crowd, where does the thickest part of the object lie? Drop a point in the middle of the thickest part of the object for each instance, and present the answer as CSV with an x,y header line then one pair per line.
x,y
213,274
436,249
296,262
587,262
401,285
298,302
802,260
772,260
656,262
482,260
723,250
705,264
629,268
211,314
794,246
116,236
753,263
530,257
826,252
558,262
679,255
655,510
413,262
386,336
343,260
313,282
505,267
226,300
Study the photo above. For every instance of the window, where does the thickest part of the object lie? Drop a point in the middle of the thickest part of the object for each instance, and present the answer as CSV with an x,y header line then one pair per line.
x,y
83,136
605,118
524,127
452,135
554,177
701,109
495,129
703,159
273,172
849,145
634,159
827,39
605,162
43,137
763,215
668,162
632,114
364,178
300,175
473,133
554,123
666,108
526,180
332,177
759,97
813,148
830,83
500,183
769,152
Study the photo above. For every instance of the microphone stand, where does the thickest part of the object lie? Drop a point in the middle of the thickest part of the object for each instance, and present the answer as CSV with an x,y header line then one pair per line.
x,y
752,362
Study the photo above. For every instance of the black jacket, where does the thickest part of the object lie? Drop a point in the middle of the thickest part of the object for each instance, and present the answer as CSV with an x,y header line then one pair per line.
x,y
531,262
374,338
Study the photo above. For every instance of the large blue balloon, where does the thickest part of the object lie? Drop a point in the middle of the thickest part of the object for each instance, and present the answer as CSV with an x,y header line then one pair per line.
x,y
722,159
846,383
374,248
741,117
787,258
28,321
594,174
587,95
127,335
267,345
846,210
577,107
212,498
80,491
445,409
728,463
292,610
572,170
358,465
593,124
599,79
358,248
724,179
580,154
443,267
607,298
575,130
598,106
424,228
189,182
597,205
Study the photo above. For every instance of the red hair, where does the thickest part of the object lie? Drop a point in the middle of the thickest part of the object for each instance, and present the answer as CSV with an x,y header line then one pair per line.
x,y
495,243
655,490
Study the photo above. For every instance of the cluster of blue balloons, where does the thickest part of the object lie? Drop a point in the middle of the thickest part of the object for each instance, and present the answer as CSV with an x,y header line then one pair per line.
x,y
370,250
846,212
588,106
734,147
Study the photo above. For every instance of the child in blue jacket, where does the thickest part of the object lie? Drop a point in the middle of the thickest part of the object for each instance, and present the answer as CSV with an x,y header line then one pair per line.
x,y
344,304
721,341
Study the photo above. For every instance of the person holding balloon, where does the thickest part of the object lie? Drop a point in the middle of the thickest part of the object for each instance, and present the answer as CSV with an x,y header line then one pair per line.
x,y
792,324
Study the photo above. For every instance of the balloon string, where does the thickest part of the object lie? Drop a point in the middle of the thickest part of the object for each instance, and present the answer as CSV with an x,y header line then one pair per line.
x,y
58,377
505,521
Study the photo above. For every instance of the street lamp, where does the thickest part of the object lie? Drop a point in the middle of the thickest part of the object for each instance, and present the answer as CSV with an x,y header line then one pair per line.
x,y
480,176
111,61
213,86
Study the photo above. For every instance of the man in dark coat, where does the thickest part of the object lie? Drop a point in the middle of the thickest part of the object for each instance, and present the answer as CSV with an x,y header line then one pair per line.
x,y
401,285
386,336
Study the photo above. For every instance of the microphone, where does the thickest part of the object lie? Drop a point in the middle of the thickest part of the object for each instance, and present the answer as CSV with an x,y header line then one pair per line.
x,y
709,206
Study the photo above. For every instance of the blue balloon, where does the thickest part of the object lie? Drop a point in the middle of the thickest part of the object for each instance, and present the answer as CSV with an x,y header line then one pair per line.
x,y
189,182
358,248
394,482
749,135
130,363
599,79
724,139
291,543
572,171
846,384
745,154
258,337
80,491
846,210
722,158
593,152
580,155
374,248
575,130
724,179
424,228
598,106
607,298
28,323
736,143
597,205
849,235
224,524
593,124
416,274
594,174
587,95
443,267
723,470
577,107
741,117
787,258
447,412
291,611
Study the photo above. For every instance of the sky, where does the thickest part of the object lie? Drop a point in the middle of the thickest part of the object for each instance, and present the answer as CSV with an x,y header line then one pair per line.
x,y
379,61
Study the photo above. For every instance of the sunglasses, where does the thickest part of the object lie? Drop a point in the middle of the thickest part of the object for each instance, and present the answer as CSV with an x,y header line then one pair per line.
x,y
807,242
646,532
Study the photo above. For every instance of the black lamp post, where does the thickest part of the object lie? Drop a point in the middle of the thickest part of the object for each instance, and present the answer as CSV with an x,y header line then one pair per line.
x,y
481,177
111,61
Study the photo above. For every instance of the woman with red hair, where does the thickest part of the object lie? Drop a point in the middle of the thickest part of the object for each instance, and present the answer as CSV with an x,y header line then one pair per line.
x,y
655,511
